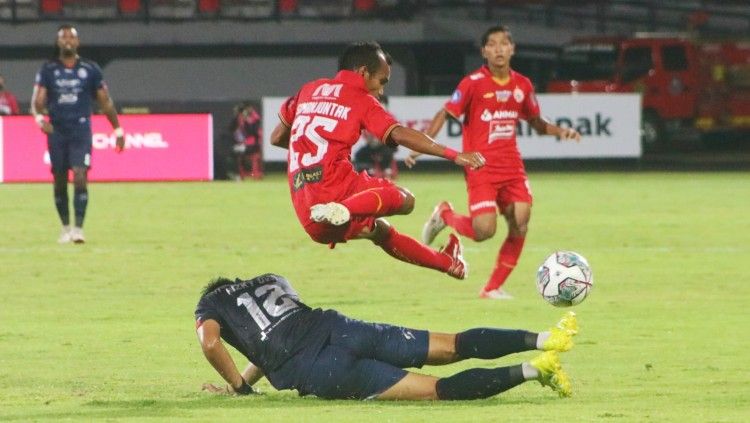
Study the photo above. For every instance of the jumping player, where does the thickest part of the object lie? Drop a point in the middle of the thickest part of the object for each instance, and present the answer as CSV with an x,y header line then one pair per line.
x,y
65,87
323,353
319,126
492,99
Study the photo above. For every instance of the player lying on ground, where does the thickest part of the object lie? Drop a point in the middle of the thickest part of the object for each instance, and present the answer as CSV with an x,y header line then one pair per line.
x,y
323,353
319,125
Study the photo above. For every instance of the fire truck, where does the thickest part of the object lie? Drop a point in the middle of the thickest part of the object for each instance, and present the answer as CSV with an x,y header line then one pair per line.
x,y
690,88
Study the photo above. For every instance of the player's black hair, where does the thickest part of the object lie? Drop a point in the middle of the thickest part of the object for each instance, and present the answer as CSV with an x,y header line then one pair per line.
x,y
363,54
494,29
216,283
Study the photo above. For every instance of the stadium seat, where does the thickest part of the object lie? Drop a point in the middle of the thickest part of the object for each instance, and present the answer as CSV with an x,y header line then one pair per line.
x,y
51,7
208,7
129,7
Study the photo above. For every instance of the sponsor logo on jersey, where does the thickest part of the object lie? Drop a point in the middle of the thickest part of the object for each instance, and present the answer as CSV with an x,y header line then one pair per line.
x,y
475,76
501,129
307,176
328,90
518,95
488,95
502,95
82,73
498,114
456,97
57,73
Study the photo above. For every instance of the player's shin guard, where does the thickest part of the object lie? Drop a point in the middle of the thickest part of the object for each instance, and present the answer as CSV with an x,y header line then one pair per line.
x,y
487,343
80,201
479,383
412,251
461,223
382,201
506,261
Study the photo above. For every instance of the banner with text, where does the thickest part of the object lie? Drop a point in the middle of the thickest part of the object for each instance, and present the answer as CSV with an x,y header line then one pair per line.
x,y
609,125
174,147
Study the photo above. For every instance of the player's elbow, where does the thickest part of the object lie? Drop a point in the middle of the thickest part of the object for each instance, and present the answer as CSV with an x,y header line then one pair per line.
x,y
280,136
399,135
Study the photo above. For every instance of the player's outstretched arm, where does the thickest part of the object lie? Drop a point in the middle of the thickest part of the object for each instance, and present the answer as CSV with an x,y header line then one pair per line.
x,y
435,126
209,336
280,136
543,127
422,143
108,108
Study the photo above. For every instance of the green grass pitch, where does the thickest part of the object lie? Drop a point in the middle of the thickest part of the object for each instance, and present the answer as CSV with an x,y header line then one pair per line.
x,y
104,331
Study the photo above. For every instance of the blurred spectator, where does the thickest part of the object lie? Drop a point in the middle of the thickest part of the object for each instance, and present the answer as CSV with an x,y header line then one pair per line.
x,y
248,141
375,157
8,102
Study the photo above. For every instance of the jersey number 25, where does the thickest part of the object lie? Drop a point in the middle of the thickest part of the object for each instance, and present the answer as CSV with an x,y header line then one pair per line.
x,y
308,126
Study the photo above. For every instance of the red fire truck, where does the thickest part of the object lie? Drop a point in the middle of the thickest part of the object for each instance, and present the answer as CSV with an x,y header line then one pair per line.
x,y
689,87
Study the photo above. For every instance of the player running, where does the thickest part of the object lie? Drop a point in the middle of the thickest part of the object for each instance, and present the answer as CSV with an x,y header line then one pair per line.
x,y
319,126
492,99
323,353
65,87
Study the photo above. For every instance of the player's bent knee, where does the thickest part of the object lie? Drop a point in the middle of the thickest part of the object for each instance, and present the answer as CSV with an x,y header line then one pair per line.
x,y
379,233
484,231
408,205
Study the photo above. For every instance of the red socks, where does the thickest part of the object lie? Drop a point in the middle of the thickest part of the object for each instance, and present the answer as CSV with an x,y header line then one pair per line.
x,y
461,223
506,261
412,251
383,201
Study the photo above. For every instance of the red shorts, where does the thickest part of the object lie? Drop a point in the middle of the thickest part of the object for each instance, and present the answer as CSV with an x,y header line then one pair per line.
x,y
328,234
492,197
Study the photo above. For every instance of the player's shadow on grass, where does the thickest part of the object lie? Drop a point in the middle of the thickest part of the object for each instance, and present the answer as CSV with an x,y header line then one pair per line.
x,y
100,409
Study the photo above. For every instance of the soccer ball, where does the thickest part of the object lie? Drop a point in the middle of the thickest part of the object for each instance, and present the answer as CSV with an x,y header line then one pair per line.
x,y
564,279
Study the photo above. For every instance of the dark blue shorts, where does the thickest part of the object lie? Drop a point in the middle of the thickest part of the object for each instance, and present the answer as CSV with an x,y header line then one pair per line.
x,y
362,360
70,146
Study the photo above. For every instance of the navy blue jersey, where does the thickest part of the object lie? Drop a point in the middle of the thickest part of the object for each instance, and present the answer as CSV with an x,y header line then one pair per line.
x,y
265,320
70,91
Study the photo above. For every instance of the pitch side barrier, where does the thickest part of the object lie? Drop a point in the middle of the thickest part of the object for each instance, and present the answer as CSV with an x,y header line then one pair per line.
x,y
609,125
158,147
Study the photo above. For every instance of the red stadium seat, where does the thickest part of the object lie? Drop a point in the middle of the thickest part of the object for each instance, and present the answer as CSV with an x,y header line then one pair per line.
x,y
287,6
364,5
129,7
208,6
51,7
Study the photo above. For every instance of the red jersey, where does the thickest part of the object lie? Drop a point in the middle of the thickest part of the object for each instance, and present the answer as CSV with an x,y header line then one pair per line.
x,y
491,111
326,119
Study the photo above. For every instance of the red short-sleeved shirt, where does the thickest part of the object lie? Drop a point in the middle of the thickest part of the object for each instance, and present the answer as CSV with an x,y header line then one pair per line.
x,y
326,118
491,111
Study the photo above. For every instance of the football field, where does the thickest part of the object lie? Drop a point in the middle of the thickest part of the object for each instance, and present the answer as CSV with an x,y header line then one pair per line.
x,y
105,332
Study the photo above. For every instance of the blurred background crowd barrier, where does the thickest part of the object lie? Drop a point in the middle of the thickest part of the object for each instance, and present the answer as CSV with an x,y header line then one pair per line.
x,y
207,56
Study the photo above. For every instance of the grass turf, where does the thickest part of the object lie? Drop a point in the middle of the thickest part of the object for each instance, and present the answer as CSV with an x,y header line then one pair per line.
x,y
104,331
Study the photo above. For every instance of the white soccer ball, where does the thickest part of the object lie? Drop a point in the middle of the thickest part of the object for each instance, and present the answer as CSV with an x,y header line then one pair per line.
x,y
564,279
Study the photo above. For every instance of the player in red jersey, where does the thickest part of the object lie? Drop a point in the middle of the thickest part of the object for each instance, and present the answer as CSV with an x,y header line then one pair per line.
x,y
492,99
319,125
